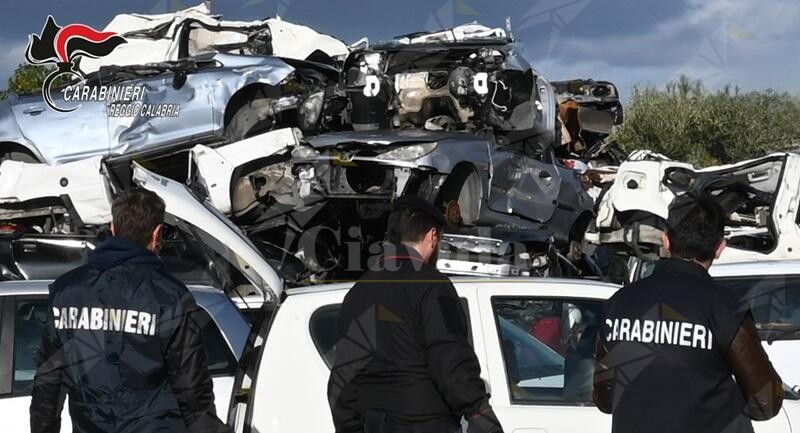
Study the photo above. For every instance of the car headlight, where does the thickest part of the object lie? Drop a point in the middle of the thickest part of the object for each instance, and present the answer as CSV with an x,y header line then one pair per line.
x,y
408,153
304,152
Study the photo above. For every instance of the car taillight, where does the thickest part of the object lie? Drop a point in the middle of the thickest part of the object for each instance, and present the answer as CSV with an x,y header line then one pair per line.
x,y
9,228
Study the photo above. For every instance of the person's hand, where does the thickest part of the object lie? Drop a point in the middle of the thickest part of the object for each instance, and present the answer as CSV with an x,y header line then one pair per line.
x,y
484,421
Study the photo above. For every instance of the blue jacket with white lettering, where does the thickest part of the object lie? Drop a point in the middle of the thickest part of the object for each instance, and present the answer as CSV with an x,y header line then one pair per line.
x,y
123,341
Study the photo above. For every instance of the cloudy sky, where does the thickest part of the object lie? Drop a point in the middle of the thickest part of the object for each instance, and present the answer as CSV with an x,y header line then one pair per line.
x,y
749,43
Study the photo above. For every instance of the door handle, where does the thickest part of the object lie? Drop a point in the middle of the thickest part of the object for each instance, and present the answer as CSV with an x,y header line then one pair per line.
x,y
545,175
33,111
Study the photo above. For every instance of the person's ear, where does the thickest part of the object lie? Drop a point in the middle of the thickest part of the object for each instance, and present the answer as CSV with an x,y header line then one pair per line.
x,y
113,230
720,249
435,234
155,237
665,240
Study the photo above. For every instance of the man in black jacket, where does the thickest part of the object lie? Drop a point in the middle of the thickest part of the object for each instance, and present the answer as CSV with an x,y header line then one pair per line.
x,y
673,342
403,360
123,340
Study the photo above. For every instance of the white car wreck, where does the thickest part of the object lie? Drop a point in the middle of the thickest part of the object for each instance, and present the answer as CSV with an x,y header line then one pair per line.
x,y
761,197
158,38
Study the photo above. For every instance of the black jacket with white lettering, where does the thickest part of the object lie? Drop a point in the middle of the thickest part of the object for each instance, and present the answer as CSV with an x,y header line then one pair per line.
x,y
668,352
123,341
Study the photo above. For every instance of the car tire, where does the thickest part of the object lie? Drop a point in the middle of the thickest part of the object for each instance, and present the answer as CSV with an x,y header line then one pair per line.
x,y
248,120
464,186
18,156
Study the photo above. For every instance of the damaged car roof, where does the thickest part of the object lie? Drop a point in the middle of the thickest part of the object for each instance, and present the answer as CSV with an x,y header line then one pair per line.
x,y
156,38
471,32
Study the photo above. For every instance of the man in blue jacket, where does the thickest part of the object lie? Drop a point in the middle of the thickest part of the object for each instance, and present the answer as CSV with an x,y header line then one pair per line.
x,y
123,339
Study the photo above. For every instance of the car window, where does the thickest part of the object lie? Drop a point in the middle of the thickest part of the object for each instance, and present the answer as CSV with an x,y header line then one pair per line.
x,y
548,347
774,302
220,358
324,326
30,320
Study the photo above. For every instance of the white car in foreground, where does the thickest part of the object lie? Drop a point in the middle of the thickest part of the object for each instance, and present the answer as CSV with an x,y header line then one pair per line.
x,y
23,312
771,289
539,384
534,339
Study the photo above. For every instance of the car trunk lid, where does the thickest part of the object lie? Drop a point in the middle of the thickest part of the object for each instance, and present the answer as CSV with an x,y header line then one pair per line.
x,y
214,230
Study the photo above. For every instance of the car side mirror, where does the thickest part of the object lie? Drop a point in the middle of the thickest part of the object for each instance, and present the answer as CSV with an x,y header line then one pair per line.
x,y
179,79
791,392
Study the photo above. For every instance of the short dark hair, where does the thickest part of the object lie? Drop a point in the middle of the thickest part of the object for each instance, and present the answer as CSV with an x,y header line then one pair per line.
x,y
136,214
695,227
407,224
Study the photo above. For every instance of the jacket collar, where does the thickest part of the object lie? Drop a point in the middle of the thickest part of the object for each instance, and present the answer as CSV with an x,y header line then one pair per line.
x,y
394,253
400,252
670,266
116,251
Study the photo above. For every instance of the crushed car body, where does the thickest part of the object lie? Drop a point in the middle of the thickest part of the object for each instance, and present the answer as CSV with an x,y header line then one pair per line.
x,y
212,93
761,197
347,181
173,36
466,78
279,183
199,246
588,111
493,183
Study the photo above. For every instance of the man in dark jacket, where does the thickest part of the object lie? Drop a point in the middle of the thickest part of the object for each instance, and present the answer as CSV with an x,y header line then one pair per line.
x,y
122,339
673,342
403,361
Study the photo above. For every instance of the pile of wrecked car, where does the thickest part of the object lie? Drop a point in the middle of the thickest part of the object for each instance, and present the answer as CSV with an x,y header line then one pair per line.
x,y
303,143
306,143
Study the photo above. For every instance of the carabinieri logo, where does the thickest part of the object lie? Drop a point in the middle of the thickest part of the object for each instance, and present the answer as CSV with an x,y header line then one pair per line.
x,y
63,46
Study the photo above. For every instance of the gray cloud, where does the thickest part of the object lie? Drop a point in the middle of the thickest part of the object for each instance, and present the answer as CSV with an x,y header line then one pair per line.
x,y
724,41
627,41
12,53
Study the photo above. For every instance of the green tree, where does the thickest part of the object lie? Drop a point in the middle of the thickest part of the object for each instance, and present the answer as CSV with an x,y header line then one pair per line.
x,y
689,123
29,78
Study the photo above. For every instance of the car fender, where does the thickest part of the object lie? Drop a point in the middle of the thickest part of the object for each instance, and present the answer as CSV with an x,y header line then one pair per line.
x,y
215,167
638,186
10,131
238,72
81,181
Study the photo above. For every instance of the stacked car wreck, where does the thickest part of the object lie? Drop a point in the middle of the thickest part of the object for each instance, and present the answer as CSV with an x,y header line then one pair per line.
x,y
306,143
303,144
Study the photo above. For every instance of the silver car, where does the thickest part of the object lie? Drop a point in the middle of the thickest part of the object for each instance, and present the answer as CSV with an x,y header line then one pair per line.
x,y
221,92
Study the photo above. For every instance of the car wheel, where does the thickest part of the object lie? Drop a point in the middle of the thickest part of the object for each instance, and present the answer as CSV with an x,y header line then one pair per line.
x,y
464,187
18,156
250,119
